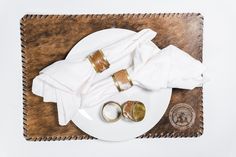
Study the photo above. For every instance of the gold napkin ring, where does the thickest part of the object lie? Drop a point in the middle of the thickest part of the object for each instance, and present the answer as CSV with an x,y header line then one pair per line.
x,y
122,80
111,111
134,110
99,61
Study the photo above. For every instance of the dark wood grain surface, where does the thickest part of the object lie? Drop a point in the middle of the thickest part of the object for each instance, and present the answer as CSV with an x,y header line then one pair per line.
x,y
48,38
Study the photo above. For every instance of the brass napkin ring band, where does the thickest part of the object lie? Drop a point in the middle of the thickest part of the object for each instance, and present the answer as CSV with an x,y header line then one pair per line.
x,y
134,110
111,111
99,61
122,80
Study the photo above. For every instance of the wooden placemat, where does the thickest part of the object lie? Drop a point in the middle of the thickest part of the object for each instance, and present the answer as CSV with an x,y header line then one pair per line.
x,y
48,38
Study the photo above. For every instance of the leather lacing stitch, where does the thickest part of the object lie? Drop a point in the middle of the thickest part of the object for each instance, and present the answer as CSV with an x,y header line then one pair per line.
x,y
145,15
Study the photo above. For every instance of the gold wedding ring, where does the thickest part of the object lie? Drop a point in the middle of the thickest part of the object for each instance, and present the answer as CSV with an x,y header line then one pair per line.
x,y
99,61
122,80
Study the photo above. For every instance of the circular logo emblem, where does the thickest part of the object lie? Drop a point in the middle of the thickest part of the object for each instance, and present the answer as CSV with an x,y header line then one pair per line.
x,y
182,116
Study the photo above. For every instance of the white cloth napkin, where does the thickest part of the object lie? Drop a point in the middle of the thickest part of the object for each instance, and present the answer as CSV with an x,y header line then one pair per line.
x,y
77,75
64,81
170,68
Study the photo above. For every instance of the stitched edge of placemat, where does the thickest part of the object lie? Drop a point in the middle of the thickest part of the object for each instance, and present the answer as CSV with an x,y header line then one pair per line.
x,y
146,15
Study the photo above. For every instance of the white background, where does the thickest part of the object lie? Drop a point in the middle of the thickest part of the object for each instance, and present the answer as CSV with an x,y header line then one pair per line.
x,y
219,138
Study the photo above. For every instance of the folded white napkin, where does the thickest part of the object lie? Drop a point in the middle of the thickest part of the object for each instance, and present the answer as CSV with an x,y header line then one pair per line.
x,y
77,75
64,81
170,68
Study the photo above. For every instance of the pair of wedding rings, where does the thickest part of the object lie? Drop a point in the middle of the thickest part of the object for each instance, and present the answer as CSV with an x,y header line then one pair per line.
x,y
132,110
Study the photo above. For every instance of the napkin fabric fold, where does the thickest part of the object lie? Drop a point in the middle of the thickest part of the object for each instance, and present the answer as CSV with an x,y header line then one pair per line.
x,y
169,68
72,83
77,75
63,81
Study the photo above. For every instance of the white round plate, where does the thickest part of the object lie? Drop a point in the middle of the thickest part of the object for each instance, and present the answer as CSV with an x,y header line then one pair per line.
x,y
89,119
